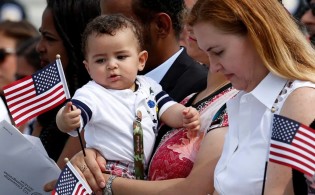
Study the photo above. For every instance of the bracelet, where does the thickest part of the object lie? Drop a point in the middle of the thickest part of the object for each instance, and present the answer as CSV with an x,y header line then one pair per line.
x,y
108,187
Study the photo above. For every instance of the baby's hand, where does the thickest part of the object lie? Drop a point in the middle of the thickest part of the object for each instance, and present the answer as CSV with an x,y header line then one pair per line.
x,y
191,120
69,118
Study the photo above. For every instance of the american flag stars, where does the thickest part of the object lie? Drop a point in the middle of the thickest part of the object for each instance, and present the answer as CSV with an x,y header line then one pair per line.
x,y
67,182
46,79
71,183
284,130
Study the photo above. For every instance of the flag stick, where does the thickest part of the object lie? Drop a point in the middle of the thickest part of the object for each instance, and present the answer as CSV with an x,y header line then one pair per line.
x,y
81,143
264,180
80,138
65,87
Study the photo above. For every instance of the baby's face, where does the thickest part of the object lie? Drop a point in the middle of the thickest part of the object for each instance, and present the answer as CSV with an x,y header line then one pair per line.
x,y
114,61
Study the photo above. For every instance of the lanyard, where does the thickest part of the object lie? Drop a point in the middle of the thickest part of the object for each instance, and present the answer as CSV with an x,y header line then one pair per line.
x,y
138,146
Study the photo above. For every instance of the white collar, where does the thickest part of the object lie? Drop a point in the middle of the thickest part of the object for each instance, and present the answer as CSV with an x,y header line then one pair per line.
x,y
268,89
158,73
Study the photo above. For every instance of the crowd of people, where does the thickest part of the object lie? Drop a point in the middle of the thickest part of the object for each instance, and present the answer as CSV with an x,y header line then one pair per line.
x,y
231,65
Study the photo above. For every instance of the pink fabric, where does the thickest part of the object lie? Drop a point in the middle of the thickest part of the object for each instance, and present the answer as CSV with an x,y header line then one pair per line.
x,y
175,156
120,169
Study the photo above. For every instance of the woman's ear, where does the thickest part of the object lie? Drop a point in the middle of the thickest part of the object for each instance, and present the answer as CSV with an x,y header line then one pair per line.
x,y
143,56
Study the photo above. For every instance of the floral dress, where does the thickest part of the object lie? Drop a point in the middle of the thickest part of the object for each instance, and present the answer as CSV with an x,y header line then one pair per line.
x,y
176,153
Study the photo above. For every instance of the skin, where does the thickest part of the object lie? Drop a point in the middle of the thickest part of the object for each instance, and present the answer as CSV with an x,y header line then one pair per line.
x,y
185,33
190,3
9,66
50,43
48,47
192,47
231,55
116,58
24,68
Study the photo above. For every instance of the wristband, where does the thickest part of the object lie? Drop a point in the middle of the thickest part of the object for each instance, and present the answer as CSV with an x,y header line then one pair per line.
x,y
108,187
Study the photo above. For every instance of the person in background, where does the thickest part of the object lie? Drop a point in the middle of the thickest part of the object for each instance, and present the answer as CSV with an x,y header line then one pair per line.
x,y
187,40
192,47
12,10
261,50
28,60
62,25
168,63
308,19
12,34
182,40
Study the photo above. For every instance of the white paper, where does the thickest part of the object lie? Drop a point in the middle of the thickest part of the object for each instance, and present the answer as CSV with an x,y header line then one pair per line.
x,y
24,166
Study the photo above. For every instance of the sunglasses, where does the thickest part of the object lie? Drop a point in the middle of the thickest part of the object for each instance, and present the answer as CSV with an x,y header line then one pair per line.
x,y
4,52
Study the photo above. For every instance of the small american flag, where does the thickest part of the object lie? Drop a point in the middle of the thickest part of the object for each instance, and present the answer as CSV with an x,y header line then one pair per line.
x,y
36,94
71,183
293,144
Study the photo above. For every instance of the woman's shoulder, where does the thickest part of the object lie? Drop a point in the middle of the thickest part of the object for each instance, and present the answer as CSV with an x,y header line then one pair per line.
x,y
300,104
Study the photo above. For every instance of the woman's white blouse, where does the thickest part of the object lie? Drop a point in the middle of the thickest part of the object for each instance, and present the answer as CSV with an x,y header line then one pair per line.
x,y
240,169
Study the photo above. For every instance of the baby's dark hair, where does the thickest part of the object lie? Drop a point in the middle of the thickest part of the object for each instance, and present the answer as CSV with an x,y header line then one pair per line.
x,y
110,24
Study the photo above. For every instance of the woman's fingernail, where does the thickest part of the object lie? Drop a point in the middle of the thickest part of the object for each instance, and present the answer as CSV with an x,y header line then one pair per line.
x,y
102,184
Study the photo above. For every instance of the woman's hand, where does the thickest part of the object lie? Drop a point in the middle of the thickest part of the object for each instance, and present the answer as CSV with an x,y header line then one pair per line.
x,y
90,167
48,187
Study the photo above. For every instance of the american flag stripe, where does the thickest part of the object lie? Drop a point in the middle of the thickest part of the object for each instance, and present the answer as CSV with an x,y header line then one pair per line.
x,y
32,102
306,151
28,94
31,113
54,192
306,148
79,189
26,90
305,135
293,157
17,84
20,91
277,149
292,163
